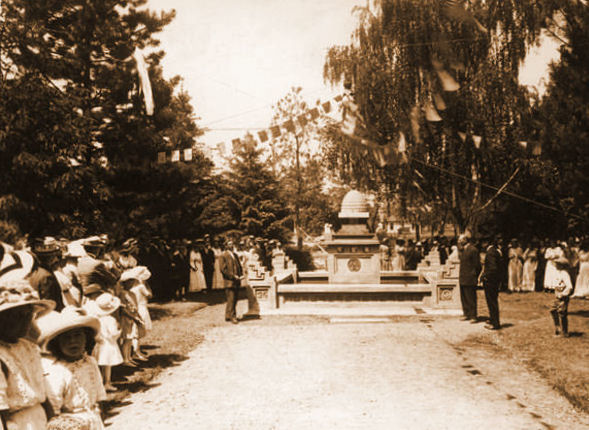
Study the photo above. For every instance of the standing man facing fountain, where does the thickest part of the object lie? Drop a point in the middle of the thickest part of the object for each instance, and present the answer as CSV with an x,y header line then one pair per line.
x,y
470,268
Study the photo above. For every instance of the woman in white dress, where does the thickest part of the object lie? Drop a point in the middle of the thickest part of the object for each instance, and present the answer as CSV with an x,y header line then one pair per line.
x,y
514,268
530,266
582,284
197,274
553,252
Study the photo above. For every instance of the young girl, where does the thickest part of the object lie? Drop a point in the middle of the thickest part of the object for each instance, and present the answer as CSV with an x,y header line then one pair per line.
x,y
22,390
563,288
107,352
136,279
72,378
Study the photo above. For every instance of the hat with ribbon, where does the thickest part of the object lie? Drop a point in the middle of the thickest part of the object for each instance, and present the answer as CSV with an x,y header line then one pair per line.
x,y
54,323
14,293
129,245
46,246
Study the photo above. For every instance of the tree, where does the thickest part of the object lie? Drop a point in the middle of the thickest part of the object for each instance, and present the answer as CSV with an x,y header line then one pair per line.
x,y
79,148
439,105
562,119
256,190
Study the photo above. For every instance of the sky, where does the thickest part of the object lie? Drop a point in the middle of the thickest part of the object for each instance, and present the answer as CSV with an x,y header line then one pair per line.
x,y
239,57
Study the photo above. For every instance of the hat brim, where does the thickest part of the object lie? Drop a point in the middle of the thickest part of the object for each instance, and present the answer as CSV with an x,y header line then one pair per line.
x,y
83,321
41,306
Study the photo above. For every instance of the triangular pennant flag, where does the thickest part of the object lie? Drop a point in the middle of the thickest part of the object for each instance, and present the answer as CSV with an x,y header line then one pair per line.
x,y
263,135
314,114
188,154
326,107
439,102
523,144
448,82
302,120
176,155
144,80
477,141
289,126
462,136
431,114
235,144
338,98
161,157
537,148
402,143
275,130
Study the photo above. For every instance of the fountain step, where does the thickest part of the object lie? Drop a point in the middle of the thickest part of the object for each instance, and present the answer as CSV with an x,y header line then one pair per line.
x,y
363,310
353,288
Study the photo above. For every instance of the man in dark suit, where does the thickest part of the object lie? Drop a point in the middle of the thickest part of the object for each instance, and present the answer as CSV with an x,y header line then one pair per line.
x,y
232,276
492,277
208,263
470,268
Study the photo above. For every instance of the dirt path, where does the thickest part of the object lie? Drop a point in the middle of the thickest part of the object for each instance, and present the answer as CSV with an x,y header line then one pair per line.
x,y
404,374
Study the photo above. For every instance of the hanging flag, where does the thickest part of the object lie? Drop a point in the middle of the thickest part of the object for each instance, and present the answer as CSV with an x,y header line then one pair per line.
x,y
402,148
439,102
448,82
326,107
414,119
537,148
275,130
175,155
462,136
431,114
314,114
379,157
188,154
302,120
523,144
144,80
161,157
289,126
263,135
477,141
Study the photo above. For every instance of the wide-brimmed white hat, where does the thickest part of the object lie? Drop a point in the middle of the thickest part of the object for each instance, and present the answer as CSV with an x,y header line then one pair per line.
x,y
55,323
141,273
18,292
106,304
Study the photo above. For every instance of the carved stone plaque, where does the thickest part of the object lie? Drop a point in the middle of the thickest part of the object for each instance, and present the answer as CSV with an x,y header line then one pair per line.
x,y
354,265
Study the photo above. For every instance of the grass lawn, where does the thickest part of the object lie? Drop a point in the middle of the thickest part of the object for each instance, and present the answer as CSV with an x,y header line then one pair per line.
x,y
528,336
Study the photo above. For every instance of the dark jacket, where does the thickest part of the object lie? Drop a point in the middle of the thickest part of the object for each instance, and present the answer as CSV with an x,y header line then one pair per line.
x,y
230,268
493,266
208,260
470,265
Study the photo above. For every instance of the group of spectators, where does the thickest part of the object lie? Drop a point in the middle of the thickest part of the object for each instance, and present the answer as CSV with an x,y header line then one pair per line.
x,y
86,309
561,267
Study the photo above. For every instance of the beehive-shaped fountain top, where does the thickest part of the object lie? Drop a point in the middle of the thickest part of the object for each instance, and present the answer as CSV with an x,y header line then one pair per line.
x,y
354,205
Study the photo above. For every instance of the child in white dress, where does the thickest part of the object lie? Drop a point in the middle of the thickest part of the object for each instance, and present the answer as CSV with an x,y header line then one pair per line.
x,y
72,378
22,389
107,352
137,278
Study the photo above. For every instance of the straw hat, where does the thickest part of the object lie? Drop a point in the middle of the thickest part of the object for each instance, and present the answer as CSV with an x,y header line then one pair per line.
x,y
107,304
14,293
129,245
75,250
55,323
46,246
91,289
141,273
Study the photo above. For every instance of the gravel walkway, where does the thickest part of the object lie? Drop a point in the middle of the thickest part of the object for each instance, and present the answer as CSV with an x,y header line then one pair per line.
x,y
342,374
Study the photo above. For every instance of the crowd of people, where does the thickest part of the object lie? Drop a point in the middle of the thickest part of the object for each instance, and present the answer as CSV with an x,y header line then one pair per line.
x,y
86,310
558,267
